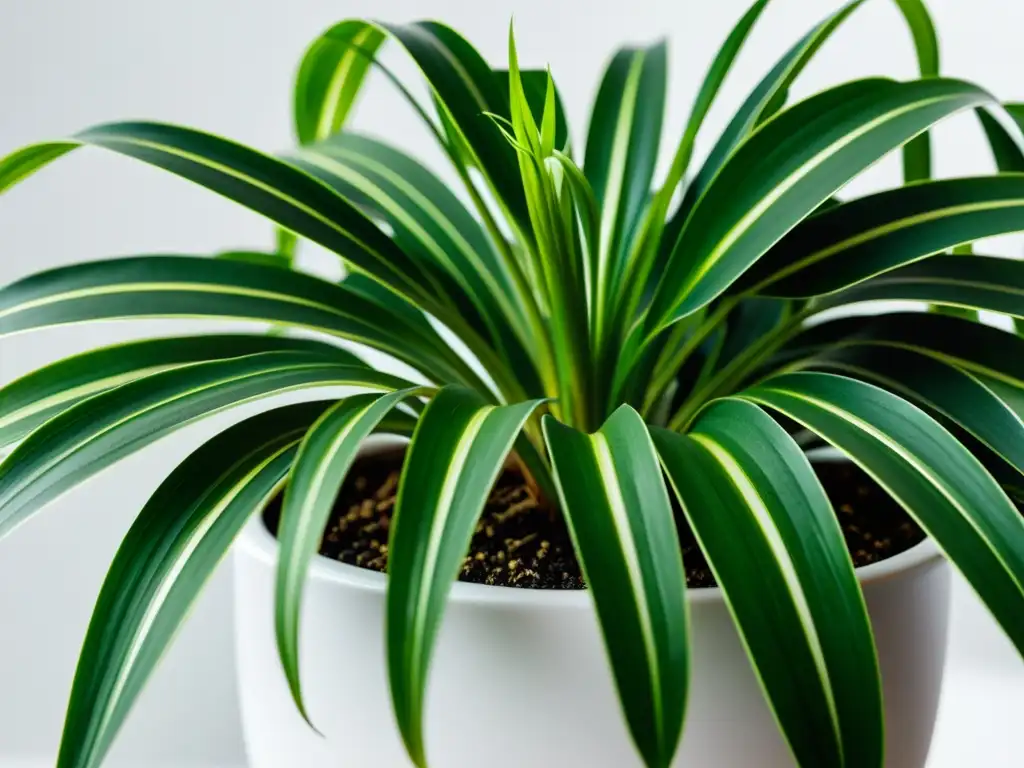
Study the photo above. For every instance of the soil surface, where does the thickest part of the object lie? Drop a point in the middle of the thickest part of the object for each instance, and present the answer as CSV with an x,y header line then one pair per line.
x,y
519,543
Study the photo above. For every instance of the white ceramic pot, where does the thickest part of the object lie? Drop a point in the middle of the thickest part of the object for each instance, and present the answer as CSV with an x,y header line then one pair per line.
x,y
519,677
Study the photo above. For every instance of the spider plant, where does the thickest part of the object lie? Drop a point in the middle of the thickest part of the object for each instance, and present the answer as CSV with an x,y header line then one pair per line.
x,y
628,338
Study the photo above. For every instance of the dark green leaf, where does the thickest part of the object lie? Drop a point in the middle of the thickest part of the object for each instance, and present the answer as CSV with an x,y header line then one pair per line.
x,y
171,550
924,468
456,453
35,398
615,500
775,546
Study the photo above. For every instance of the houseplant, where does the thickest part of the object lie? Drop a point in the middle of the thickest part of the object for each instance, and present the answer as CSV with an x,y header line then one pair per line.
x,y
624,337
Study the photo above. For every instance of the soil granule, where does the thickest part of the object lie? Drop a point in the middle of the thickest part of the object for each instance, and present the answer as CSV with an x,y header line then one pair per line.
x,y
520,543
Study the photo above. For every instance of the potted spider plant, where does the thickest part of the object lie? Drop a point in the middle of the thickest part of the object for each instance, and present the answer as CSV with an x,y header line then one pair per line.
x,y
611,489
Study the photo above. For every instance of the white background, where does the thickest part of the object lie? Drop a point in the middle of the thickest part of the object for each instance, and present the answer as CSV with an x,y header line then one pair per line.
x,y
227,66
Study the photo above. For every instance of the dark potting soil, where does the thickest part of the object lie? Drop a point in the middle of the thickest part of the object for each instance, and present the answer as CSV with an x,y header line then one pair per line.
x,y
520,543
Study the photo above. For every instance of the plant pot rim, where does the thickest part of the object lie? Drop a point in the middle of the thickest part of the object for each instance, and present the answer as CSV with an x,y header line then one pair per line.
x,y
257,541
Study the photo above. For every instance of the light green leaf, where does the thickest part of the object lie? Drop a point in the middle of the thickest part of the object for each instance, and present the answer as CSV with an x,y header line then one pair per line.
x,y
922,466
775,546
279,191
168,555
615,500
861,238
330,77
782,173
456,454
325,457
535,86
96,433
35,398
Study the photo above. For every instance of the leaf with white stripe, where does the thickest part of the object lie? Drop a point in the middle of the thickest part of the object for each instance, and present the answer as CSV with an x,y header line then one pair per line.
x,y
617,507
765,96
99,431
785,170
856,240
456,454
979,349
281,192
622,148
35,398
166,558
971,282
190,287
330,77
325,457
976,404
935,478
774,544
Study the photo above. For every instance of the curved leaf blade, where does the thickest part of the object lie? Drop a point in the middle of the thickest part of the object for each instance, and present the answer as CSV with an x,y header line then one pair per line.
x,y
36,397
862,238
971,282
169,553
975,404
182,286
326,454
922,466
456,454
622,148
330,77
618,510
783,172
279,191
99,431
777,551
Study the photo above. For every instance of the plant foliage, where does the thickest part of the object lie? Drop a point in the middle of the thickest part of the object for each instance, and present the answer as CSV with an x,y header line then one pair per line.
x,y
631,337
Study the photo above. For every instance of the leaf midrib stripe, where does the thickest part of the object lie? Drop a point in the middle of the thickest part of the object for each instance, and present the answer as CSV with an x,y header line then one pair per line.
x,y
292,367
166,583
759,209
428,572
911,459
325,125
889,228
628,547
112,140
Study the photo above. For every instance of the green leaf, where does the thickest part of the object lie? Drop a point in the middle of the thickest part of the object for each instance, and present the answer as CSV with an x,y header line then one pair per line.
x,y
468,88
926,470
709,89
782,173
330,77
975,282
776,549
917,154
38,396
976,404
277,190
861,238
456,454
431,224
168,555
535,86
764,99
969,345
622,148
614,497
99,431
325,457
189,287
